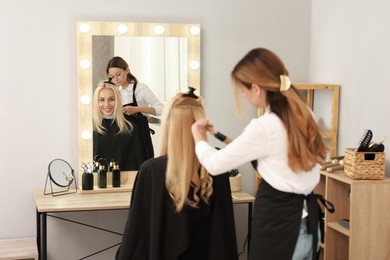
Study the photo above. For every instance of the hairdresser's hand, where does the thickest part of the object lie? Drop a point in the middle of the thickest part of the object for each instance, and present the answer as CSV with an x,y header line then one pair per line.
x,y
129,110
200,128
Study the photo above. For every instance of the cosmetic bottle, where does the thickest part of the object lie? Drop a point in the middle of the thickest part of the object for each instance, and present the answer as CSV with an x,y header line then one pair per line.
x,y
102,177
116,176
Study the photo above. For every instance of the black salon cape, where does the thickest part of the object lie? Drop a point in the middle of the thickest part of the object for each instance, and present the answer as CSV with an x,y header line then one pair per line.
x,y
154,231
125,149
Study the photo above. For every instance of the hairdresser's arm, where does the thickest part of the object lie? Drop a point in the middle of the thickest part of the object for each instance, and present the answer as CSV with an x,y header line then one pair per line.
x,y
148,103
130,110
200,128
151,100
252,144
206,152
199,132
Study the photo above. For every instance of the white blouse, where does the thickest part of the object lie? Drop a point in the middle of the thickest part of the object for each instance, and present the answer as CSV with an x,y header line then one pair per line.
x,y
264,139
144,96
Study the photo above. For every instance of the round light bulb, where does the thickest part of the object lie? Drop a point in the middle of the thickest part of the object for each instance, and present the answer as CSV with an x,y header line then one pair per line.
x,y
85,64
86,135
195,30
159,29
122,28
194,65
84,28
85,99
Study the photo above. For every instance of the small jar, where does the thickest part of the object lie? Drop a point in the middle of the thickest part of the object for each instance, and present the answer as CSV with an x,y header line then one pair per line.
x,y
102,177
87,181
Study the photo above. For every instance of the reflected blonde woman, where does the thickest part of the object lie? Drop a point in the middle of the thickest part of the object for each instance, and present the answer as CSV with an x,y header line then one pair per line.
x,y
115,138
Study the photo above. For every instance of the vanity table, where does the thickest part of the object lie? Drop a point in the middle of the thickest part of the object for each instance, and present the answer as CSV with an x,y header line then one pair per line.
x,y
78,202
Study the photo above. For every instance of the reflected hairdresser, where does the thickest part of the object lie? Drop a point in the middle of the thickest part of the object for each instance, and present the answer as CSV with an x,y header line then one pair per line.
x,y
138,101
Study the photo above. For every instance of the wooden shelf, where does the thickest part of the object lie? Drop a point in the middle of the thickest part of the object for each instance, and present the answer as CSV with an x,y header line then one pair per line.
x,y
366,203
19,248
336,226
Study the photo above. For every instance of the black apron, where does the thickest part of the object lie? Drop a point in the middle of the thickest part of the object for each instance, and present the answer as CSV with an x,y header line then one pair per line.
x,y
276,222
141,122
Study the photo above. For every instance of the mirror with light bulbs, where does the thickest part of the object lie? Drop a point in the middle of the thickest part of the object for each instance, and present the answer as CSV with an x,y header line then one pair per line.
x,y
165,56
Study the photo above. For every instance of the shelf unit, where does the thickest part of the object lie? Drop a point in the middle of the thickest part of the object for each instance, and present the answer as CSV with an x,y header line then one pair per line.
x,y
366,203
309,91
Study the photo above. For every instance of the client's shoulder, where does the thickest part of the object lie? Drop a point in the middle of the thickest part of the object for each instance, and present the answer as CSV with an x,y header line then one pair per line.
x,y
153,166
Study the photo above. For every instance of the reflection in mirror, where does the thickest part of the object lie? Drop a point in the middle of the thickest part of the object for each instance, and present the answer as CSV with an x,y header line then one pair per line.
x,y
61,173
159,62
98,42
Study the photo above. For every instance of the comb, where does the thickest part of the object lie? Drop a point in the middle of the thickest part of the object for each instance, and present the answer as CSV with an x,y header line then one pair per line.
x,y
365,141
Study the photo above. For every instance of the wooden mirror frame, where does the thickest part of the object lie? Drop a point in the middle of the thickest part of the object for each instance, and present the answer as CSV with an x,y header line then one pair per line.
x,y
86,30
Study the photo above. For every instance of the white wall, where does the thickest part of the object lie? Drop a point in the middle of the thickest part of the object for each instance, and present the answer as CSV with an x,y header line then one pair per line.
x,y
38,108
350,46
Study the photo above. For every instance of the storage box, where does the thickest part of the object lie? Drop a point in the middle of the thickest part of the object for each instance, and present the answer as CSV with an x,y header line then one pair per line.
x,y
364,165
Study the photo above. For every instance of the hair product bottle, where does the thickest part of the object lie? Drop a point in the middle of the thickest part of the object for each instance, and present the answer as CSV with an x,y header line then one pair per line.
x,y
102,177
116,176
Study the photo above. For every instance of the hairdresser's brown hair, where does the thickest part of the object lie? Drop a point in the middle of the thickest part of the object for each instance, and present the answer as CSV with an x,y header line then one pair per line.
x,y
184,169
119,62
305,143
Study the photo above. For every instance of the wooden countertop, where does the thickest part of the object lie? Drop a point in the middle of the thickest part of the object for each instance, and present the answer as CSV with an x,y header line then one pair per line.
x,y
100,201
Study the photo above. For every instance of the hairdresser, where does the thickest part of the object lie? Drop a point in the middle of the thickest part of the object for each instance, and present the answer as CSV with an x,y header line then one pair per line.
x,y
139,102
286,147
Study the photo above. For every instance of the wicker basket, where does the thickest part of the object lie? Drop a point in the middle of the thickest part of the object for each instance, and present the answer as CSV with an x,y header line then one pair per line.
x,y
364,165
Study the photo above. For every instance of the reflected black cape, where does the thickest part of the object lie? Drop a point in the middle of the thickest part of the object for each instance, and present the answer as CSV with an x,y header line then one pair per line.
x,y
125,149
155,231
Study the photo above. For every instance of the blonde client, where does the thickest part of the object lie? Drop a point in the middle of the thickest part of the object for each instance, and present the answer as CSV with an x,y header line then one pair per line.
x,y
179,211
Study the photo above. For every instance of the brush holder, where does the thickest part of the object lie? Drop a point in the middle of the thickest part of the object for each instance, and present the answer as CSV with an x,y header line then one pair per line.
x,y
87,181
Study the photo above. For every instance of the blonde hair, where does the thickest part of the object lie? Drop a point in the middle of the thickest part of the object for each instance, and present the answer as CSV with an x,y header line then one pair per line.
x,y
123,125
184,169
264,68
